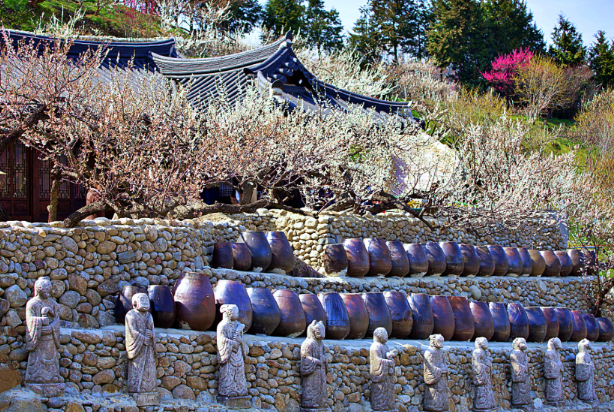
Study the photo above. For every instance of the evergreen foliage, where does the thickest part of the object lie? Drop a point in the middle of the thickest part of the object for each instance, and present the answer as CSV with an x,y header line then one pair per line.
x,y
567,48
280,16
601,59
322,28
244,16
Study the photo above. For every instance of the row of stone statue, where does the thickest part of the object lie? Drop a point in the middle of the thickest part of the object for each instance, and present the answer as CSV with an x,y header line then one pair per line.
x,y
43,371
378,257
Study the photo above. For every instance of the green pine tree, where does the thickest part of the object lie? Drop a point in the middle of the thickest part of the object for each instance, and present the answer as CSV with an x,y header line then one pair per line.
x,y
244,16
601,59
322,28
280,16
366,39
567,48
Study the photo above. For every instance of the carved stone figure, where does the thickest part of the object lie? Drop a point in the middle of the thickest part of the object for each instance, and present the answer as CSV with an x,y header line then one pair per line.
x,y
521,381
553,372
383,397
43,342
585,373
232,351
314,367
436,377
141,349
484,397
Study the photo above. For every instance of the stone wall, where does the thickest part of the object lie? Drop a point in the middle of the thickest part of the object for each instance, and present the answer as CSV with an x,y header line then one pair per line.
x,y
309,236
94,362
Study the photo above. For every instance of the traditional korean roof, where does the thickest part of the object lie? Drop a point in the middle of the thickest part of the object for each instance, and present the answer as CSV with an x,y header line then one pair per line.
x,y
273,66
134,54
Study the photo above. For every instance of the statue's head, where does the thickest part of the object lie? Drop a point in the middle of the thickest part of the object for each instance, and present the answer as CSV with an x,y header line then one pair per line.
x,y
316,331
380,335
42,288
555,344
481,343
140,302
436,341
230,312
584,346
519,344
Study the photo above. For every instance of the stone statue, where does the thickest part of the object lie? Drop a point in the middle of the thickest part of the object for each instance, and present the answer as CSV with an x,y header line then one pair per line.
x,y
553,372
141,349
232,351
521,381
435,377
585,373
383,397
484,397
43,342
314,367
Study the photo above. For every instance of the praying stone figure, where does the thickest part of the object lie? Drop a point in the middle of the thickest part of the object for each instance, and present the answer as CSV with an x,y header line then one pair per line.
x,y
553,372
382,365
232,351
141,348
43,342
435,377
484,399
585,373
314,367
521,381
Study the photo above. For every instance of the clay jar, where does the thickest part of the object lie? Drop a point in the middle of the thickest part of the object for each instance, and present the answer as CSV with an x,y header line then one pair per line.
x,y
565,323
553,264
242,258
464,328
380,260
514,261
579,326
566,263
282,258
501,262
422,314
592,329
162,306
577,260
400,261
519,323
379,314
418,261
358,258
265,312
335,260
234,293
337,318
436,259
501,321
538,262
357,312
123,304
222,256
471,261
313,309
194,302
454,258
606,330
527,263
259,250
482,320
400,314
487,261
292,323
552,323
537,324
443,316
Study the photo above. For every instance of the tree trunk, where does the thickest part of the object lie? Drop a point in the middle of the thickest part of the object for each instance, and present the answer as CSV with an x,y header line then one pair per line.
x,y
85,211
53,198
247,196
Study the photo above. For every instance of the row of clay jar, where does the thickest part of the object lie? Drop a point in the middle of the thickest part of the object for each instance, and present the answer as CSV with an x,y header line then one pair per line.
x,y
378,257
255,252
193,304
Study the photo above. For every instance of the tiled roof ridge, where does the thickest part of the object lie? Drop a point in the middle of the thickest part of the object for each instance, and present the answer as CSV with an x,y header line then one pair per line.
x,y
97,39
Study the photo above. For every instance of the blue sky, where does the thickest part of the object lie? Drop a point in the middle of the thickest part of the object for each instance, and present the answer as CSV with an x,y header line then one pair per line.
x,y
589,16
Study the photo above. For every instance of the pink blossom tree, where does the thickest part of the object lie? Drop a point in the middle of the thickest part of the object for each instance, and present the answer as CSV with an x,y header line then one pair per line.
x,y
504,69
